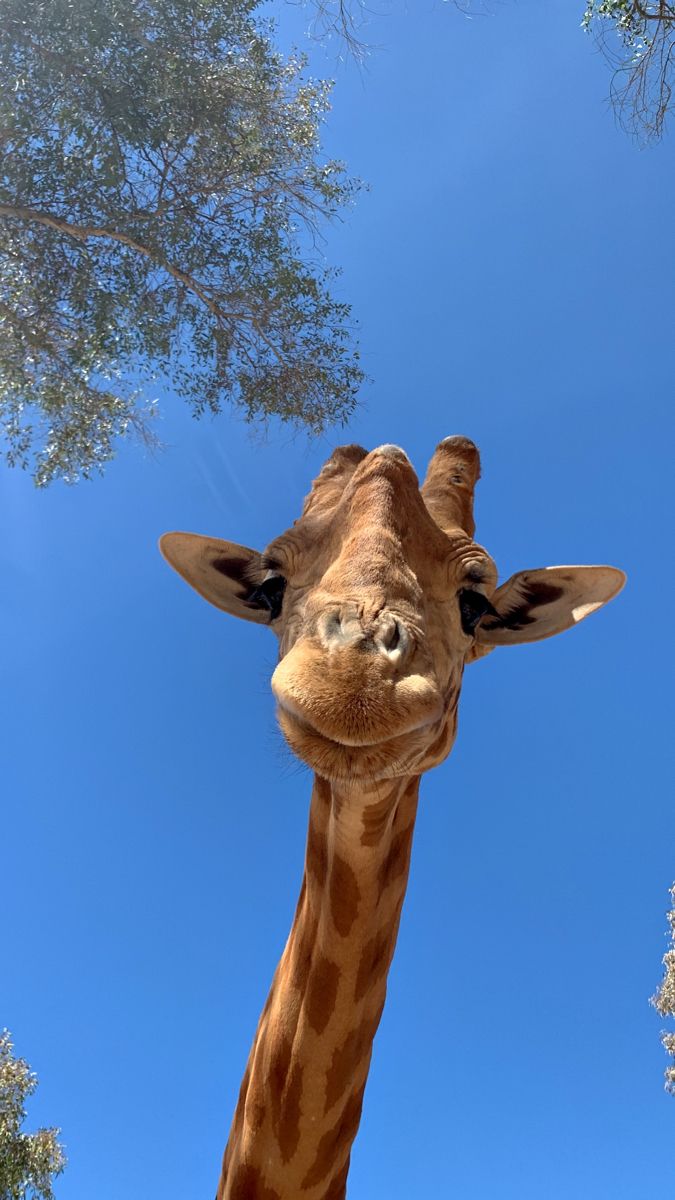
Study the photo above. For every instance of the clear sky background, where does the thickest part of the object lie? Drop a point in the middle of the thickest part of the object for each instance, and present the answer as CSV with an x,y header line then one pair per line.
x,y
512,269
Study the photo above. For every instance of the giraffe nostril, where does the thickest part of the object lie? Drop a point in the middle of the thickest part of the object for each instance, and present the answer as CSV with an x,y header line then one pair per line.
x,y
392,639
341,628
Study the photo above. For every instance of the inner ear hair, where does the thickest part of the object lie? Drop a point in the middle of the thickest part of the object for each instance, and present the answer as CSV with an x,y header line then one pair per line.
x,y
529,596
544,601
223,572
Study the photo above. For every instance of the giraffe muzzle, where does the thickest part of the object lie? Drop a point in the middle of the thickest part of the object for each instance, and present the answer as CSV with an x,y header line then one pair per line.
x,y
387,635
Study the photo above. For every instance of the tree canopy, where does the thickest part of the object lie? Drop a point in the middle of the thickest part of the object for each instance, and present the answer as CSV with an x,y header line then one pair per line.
x,y
160,194
28,1161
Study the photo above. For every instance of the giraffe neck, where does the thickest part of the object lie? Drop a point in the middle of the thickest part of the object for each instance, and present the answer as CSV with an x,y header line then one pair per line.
x,y
300,1101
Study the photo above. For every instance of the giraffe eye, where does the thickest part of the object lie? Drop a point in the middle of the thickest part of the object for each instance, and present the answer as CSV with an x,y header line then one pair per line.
x,y
473,606
269,594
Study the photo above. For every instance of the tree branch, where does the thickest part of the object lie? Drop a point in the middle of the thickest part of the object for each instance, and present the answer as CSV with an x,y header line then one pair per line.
x,y
84,232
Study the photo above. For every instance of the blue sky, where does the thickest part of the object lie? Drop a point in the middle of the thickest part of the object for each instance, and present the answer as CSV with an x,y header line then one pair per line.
x,y
512,271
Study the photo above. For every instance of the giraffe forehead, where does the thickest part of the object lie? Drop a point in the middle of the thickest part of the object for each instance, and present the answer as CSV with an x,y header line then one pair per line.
x,y
368,506
370,535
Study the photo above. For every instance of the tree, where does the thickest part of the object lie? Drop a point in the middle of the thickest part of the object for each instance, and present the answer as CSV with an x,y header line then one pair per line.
x,y
28,1161
664,1000
160,193
643,54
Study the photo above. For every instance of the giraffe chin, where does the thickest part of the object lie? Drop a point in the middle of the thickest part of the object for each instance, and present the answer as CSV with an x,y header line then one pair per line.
x,y
389,759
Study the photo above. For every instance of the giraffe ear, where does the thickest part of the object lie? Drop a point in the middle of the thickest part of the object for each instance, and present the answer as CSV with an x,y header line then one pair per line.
x,y
538,604
225,574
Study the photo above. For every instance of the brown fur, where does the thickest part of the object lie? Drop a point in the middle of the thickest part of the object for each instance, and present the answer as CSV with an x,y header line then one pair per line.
x,y
372,653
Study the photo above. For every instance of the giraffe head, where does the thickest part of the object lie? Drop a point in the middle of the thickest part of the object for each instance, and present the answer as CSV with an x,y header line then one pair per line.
x,y
379,597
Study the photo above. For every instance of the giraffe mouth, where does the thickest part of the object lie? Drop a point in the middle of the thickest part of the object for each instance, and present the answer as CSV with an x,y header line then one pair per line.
x,y
349,760
349,739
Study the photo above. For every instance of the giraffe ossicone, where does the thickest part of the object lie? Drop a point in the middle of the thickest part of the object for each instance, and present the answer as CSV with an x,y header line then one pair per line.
x,y
379,597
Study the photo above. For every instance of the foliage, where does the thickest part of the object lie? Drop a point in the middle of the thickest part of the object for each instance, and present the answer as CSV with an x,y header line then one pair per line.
x,y
664,1000
28,1161
643,55
160,189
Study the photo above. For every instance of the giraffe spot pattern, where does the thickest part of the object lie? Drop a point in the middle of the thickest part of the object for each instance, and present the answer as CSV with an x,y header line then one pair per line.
x,y
375,821
317,855
277,1071
344,895
347,1057
321,992
373,963
337,1190
339,1137
322,793
284,1084
248,1184
341,1069
304,940
255,1104
288,1128
396,862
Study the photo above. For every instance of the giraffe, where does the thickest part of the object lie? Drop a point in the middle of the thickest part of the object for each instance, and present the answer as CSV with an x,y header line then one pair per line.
x,y
379,596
